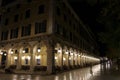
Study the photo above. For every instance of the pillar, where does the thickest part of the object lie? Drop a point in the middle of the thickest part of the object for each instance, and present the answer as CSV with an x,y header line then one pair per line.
x,y
19,59
8,59
50,59
0,59
32,59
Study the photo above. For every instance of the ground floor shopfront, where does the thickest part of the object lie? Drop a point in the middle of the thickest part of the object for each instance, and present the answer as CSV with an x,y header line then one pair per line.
x,y
46,56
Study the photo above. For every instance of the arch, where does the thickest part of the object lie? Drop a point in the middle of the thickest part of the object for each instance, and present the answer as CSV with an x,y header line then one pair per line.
x,y
40,54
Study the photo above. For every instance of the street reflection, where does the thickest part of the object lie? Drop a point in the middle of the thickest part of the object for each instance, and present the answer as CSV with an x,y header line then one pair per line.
x,y
79,74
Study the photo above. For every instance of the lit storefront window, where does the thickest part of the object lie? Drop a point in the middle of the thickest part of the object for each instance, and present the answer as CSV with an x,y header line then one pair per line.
x,y
38,60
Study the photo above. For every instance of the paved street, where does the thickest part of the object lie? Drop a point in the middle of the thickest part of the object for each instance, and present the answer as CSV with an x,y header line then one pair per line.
x,y
99,72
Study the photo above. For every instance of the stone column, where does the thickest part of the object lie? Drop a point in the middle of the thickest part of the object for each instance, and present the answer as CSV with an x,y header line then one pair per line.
x,y
50,59
62,52
8,59
32,59
19,59
0,59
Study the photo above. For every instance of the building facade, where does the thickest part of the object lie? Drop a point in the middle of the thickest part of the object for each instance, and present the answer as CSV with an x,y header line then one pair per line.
x,y
44,36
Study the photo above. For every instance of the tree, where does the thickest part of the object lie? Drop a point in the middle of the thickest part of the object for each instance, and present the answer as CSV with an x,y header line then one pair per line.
x,y
110,18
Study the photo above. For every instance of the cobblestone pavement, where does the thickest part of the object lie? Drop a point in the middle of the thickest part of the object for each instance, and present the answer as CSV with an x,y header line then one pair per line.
x,y
98,72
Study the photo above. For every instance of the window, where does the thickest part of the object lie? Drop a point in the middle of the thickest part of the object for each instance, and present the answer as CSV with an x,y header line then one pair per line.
x,y
16,51
26,50
70,36
8,9
40,27
14,33
58,11
57,28
6,21
15,62
65,17
26,61
41,9
4,35
27,14
16,18
26,30
18,6
38,61
29,0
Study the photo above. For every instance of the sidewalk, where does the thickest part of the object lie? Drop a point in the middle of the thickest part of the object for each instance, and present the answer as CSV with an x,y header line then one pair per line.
x,y
110,73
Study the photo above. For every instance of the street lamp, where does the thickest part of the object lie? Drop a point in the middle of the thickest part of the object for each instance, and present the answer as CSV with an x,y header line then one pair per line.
x,y
23,51
66,52
59,50
1,52
11,52
38,49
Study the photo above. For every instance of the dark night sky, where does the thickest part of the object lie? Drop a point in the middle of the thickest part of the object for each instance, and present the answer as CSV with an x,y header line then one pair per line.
x,y
88,11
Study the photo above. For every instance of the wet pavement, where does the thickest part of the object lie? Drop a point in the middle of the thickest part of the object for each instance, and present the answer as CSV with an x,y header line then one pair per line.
x,y
97,72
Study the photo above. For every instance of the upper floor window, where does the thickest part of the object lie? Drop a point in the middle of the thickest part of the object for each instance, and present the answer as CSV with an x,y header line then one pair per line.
x,y
65,17
29,0
14,33
8,9
6,21
58,11
27,14
26,30
4,35
57,28
16,18
17,6
40,27
41,9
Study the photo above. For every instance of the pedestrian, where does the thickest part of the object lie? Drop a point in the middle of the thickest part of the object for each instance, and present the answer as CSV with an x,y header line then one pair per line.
x,y
91,71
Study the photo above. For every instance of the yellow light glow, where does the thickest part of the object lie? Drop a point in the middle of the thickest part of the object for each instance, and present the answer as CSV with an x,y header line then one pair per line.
x,y
69,58
64,59
5,54
23,57
39,49
11,52
28,57
23,51
1,52
59,51
56,58
38,57
15,57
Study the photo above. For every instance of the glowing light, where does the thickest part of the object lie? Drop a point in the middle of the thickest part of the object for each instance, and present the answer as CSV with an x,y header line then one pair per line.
x,y
66,52
11,52
39,50
38,57
56,58
5,54
23,51
15,57
59,51
71,54
64,59
69,58
1,52
28,57
23,57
